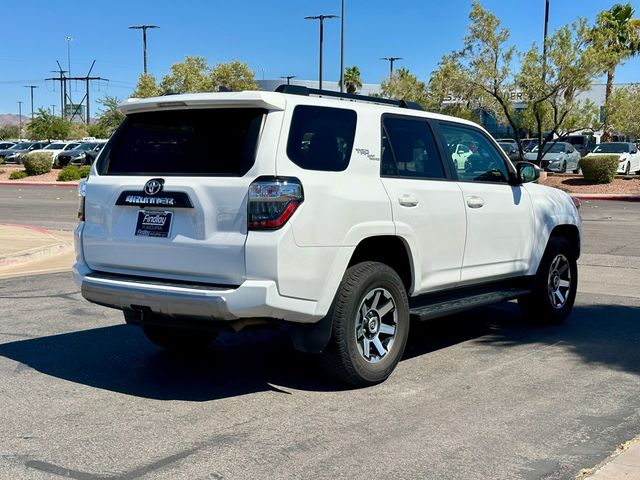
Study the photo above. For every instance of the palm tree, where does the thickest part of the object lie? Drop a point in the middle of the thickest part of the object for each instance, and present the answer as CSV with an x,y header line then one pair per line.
x,y
352,80
615,38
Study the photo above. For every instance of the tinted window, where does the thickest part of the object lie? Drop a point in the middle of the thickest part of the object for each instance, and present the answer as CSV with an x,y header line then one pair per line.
x,y
485,164
612,148
321,138
409,149
184,142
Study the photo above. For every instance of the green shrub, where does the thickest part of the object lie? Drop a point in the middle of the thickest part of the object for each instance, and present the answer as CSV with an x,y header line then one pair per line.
x,y
71,173
18,174
37,163
599,168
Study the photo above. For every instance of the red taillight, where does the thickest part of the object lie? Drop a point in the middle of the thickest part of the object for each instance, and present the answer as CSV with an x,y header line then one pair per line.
x,y
272,201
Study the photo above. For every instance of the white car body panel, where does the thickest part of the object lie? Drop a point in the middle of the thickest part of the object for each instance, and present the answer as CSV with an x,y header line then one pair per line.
x,y
293,273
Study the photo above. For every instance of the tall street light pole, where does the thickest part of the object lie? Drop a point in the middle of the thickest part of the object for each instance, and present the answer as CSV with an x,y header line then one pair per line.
x,y
20,119
322,19
342,48
544,42
68,39
32,87
144,29
391,60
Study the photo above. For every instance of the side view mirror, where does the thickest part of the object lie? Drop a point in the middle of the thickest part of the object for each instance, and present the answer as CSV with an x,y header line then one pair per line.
x,y
527,172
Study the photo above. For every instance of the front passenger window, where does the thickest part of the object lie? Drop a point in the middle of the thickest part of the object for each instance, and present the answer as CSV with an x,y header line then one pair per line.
x,y
484,163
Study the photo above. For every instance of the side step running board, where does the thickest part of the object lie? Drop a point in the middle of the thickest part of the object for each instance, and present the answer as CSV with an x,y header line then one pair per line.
x,y
426,309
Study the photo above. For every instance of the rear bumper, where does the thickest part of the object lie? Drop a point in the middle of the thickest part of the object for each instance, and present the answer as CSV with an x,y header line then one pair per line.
x,y
252,299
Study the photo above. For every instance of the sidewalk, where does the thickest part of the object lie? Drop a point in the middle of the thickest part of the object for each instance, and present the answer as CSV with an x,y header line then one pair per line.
x,y
623,464
30,250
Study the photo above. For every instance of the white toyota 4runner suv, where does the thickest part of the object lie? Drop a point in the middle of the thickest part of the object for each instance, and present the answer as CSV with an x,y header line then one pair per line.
x,y
337,216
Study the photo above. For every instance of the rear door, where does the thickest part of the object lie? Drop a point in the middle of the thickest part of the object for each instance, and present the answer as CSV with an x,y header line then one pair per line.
x,y
170,196
428,210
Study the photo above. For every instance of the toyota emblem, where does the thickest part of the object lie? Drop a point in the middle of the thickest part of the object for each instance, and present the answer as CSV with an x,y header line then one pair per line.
x,y
153,186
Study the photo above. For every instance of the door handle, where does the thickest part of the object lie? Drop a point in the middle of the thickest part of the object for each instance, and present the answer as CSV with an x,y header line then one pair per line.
x,y
408,201
474,201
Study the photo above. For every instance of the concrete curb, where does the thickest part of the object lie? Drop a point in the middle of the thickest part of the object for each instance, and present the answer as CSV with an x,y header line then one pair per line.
x,y
54,246
34,254
40,184
613,196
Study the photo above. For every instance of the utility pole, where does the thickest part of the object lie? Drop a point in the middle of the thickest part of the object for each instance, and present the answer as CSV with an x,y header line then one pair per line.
x,y
86,79
544,42
342,49
20,119
68,39
322,18
144,29
53,110
391,60
32,87
63,88
288,77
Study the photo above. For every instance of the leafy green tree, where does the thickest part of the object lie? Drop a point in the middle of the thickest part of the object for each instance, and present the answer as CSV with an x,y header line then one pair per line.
x,y
78,131
192,75
551,86
614,39
404,85
625,105
486,63
109,119
9,131
450,91
45,126
234,76
352,79
146,87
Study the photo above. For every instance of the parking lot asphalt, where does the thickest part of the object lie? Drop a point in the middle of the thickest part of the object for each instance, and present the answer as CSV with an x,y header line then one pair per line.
x,y
478,395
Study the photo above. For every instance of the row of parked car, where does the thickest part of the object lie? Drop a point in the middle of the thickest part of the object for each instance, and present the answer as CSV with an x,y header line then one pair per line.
x,y
563,156
62,153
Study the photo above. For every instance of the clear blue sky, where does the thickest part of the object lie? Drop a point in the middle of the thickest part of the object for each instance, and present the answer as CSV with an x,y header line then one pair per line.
x,y
271,36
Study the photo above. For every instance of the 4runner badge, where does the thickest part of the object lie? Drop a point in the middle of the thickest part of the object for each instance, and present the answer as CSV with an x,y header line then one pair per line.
x,y
153,186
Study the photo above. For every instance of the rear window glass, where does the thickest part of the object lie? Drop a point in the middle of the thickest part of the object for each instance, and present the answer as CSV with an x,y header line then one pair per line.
x,y
321,138
210,142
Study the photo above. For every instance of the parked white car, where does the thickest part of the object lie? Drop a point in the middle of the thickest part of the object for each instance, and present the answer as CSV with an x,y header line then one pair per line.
x,y
56,148
557,157
629,157
337,220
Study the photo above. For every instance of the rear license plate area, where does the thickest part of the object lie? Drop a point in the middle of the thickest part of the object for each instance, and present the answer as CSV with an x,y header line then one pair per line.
x,y
152,223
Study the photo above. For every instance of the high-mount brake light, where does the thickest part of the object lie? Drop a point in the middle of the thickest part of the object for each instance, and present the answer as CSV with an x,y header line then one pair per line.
x,y
272,201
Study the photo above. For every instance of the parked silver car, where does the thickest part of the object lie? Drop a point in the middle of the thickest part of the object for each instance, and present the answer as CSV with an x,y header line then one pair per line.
x,y
557,157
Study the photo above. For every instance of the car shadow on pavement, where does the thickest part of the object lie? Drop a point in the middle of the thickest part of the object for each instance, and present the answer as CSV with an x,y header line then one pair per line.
x,y
607,335
120,359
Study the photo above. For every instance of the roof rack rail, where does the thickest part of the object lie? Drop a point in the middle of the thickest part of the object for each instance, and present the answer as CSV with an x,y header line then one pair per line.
x,y
306,91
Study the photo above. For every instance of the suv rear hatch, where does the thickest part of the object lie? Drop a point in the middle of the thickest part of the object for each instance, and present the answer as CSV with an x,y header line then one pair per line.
x,y
170,196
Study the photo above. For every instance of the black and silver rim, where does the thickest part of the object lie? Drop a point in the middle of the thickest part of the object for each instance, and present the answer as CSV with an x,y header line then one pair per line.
x,y
559,281
376,325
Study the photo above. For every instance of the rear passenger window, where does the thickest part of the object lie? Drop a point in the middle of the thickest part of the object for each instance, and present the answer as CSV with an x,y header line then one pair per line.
x,y
321,138
409,149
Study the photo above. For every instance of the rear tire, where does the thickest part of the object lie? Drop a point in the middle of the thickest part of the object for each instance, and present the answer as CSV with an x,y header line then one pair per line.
x,y
554,286
370,317
177,339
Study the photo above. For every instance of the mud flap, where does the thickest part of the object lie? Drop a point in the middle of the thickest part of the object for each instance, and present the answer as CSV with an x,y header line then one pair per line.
x,y
311,337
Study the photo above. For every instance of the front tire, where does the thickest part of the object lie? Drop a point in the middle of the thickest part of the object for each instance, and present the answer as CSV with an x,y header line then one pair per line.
x,y
370,317
554,286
